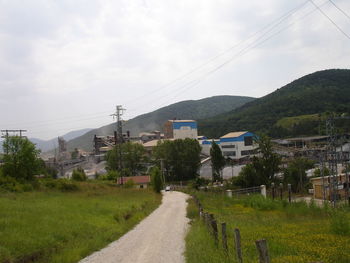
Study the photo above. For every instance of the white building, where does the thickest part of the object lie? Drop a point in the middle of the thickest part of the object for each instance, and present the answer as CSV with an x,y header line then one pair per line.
x,y
234,145
181,129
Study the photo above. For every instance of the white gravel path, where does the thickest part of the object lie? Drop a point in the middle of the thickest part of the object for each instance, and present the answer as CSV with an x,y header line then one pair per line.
x,y
158,238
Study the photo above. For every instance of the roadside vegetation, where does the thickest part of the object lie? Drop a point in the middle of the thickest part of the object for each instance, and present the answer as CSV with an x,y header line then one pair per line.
x,y
66,221
295,232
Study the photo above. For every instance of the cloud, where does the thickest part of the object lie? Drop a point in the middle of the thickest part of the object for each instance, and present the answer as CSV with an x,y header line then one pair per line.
x,y
79,57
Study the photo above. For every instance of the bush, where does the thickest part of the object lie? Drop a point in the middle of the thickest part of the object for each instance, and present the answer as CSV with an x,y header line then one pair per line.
x,y
129,184
67,186
79,175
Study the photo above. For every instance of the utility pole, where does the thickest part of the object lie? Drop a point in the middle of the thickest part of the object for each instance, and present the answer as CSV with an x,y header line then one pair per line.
x,y
119,138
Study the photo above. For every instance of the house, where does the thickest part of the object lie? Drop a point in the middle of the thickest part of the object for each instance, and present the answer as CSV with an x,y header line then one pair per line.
x,y
180,129
140,181
323,185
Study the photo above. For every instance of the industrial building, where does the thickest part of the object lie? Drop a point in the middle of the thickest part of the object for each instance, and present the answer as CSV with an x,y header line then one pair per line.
x,y
234,145
180,129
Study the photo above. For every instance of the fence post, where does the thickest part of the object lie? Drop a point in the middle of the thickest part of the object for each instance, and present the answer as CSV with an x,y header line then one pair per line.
x,y
224,236
273,190
289,193
237,237
261,245
281,191
263,190
229,193
215,231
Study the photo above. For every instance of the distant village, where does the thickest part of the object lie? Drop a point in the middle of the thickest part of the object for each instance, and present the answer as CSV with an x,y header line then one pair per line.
x,y
238,147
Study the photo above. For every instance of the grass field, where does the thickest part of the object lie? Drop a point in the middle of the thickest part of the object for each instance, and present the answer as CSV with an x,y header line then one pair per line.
x,y
54,226
295,233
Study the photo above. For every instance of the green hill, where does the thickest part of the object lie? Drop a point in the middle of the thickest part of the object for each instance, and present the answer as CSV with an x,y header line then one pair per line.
x,y
191,109
317,93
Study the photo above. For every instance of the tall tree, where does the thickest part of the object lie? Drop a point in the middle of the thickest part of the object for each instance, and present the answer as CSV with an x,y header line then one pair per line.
x,y
263,167
181,158
21,159
295,173
217,161
132,155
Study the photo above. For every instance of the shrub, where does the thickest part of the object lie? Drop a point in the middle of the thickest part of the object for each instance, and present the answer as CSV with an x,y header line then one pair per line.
x,y
67,186
79,175
129,184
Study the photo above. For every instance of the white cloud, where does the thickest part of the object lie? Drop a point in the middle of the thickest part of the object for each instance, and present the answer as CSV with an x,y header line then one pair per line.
x,y
62,57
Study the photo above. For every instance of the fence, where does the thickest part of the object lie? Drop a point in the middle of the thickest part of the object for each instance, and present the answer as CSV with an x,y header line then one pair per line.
x,y
213,227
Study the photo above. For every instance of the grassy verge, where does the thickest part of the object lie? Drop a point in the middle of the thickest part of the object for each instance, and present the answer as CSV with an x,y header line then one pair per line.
x,y
55,226
295,233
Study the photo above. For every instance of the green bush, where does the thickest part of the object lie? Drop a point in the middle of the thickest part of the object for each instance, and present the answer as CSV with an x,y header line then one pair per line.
x,y
129,184
67,186
79,175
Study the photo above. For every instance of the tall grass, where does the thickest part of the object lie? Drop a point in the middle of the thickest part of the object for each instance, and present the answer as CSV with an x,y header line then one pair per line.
x,y
295,232
54,226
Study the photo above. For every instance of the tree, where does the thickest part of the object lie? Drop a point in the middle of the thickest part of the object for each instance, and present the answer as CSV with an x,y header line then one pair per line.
x,y
217,161
21,159
181,158
133,158
156,179
263,168
295,174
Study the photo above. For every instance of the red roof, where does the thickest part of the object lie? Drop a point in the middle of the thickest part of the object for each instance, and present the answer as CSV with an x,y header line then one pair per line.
x,y
142,179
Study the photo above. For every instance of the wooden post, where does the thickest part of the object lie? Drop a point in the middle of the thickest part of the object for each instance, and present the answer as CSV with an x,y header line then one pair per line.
x,y
273,190
261,246
200,213
289,193
215,231
224,236
281,191
237,237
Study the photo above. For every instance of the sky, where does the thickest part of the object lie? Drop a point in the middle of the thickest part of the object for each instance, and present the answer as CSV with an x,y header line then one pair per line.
x,y
65,65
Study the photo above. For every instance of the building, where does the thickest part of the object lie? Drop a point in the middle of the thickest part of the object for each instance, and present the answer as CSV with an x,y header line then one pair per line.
x,y
180,129
150,136
322,185
234,145
139,181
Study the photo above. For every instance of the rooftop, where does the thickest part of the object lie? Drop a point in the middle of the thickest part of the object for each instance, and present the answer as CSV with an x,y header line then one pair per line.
x,y
234,134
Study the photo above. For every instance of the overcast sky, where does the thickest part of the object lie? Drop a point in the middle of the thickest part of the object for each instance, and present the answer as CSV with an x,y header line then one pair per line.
x,y
65,65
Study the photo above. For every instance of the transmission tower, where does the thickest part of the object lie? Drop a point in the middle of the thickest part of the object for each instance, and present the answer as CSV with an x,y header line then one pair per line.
x,y
119,138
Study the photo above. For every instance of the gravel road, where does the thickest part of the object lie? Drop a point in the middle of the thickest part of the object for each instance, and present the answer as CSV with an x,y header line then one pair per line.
x,y
158,238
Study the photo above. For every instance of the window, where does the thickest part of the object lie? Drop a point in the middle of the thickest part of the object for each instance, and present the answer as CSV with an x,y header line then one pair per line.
x,y
249,152
248,140
228,146
229,153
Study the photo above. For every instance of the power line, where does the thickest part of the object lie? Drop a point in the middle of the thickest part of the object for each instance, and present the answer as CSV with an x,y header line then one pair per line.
x,y
271,25
341,10
334,23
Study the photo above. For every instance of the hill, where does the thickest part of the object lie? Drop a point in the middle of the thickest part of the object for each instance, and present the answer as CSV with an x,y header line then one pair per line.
x,y
190,109
316,93
47,145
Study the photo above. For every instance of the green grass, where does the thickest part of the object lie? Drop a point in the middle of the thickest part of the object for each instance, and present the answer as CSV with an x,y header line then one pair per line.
x,y
295,233
289,122
54,226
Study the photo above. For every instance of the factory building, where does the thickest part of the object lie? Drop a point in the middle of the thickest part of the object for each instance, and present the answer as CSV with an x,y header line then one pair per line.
x,y
180,129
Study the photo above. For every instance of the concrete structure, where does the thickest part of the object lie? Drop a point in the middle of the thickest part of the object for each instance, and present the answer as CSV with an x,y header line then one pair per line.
x,y
322,184
234,145
140,181
180,129
150,136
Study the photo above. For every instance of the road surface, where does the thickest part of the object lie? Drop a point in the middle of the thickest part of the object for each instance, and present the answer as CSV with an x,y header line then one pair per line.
x,y
158,238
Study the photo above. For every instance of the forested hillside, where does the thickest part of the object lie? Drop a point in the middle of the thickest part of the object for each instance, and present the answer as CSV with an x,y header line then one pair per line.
x,y
318,93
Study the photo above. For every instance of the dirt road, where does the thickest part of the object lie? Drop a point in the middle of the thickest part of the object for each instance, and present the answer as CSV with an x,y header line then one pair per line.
x,y
158,238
